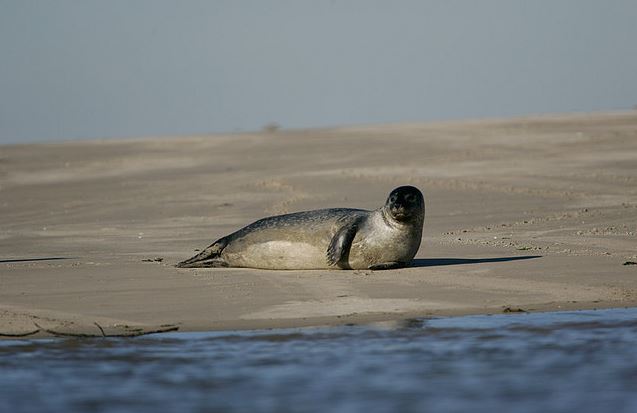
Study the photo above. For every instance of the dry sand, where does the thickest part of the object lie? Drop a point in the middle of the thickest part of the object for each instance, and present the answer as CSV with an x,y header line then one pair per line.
x,y
533,213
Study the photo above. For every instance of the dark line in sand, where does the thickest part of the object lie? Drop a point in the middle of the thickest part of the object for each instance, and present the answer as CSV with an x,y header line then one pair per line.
x,y
29,333
101,329
166,329
34,259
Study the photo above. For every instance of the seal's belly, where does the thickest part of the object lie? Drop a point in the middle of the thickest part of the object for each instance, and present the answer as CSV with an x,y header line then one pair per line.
x,y
279,254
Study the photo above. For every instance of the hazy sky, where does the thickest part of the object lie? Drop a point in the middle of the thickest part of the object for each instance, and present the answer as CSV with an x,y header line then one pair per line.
x,y
84,69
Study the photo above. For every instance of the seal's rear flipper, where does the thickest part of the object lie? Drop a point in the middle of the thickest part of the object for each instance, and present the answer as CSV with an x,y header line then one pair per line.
x,y
212,263
210,257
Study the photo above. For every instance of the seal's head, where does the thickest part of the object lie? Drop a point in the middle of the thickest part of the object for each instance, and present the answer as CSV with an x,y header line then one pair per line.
x,y
405,203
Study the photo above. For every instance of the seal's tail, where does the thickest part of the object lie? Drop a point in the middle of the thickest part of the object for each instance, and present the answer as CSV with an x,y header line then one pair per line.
x,y
210,257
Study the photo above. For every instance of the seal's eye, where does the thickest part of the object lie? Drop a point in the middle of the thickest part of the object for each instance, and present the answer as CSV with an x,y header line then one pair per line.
x,y
393,198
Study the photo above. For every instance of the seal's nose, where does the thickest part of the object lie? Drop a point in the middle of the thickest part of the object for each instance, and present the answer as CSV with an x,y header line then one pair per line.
x,y
398,209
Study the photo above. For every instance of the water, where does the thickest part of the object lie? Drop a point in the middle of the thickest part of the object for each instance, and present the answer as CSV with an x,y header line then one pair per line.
x,y
582,361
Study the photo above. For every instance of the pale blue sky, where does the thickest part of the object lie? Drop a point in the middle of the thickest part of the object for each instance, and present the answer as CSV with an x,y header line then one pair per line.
x,y
83,69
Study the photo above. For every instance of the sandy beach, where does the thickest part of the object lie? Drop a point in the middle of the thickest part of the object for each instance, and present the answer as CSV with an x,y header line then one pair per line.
x,y
526,214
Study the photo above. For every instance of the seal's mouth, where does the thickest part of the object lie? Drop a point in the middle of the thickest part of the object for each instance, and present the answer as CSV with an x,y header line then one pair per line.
x,y
399,212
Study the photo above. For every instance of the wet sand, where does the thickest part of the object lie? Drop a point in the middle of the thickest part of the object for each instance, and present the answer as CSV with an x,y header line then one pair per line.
x,y
530,214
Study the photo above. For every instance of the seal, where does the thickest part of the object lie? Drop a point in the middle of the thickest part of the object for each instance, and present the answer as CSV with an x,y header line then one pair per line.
x,y
336,238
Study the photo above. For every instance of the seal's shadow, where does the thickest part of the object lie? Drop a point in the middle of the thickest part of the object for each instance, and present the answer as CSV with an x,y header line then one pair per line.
x,y
435,262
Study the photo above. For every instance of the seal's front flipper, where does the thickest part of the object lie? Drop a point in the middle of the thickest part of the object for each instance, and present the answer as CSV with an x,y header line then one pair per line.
x,y
387,265
210,257
338,250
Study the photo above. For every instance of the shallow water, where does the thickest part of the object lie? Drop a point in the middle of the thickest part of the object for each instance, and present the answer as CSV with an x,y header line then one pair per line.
x,y
583,361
